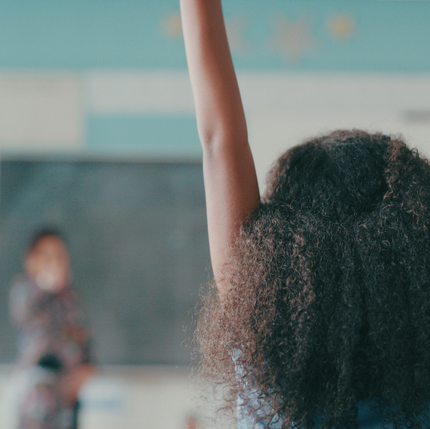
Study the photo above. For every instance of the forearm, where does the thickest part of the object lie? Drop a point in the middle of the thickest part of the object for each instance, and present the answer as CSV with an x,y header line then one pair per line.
x,y
219,110
73,381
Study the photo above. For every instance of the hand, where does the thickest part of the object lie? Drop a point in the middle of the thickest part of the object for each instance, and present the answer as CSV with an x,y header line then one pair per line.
x,y
73,381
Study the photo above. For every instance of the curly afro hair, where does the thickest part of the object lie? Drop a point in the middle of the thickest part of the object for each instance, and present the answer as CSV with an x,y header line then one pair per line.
x,y
328,297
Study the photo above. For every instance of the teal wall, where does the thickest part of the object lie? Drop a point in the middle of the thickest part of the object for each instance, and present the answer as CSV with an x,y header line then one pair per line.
x,y
82,34
86,36
144,135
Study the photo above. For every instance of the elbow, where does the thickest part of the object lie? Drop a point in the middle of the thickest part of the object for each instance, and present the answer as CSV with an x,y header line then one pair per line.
x,y
207,144
221,141
210,138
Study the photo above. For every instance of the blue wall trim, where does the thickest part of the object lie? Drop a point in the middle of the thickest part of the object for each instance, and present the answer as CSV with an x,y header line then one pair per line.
x,y
157,135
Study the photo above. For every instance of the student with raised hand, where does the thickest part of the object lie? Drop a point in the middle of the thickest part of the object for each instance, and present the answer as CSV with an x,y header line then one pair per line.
x,y
320,311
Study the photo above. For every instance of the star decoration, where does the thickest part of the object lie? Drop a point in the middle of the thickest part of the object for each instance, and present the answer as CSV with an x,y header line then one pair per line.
x,y
235,32
293,39
342,27
173,26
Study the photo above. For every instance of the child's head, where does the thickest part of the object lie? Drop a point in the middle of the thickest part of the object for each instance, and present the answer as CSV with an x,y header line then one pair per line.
x,y
47,260
335,176
329,284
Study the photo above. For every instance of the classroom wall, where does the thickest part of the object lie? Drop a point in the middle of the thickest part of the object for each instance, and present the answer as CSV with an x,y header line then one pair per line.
x,y
108,78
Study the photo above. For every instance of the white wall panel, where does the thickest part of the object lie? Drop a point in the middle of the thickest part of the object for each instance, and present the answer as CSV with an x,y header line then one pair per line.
x,y
273,133
148,92
40,112
285,109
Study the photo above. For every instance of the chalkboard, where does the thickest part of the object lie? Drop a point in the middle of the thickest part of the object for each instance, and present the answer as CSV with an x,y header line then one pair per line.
x,y
137,237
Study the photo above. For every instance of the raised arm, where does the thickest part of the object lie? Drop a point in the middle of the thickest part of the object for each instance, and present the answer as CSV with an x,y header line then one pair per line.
x,y
230,180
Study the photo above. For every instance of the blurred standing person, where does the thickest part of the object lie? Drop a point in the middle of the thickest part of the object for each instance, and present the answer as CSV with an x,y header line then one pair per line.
x,y
53,336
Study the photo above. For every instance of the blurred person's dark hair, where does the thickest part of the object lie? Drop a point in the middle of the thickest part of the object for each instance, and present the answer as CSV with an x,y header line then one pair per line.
x,y
42,232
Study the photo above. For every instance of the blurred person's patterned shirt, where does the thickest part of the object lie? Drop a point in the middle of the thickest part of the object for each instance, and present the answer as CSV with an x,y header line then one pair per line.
x,y
48,323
